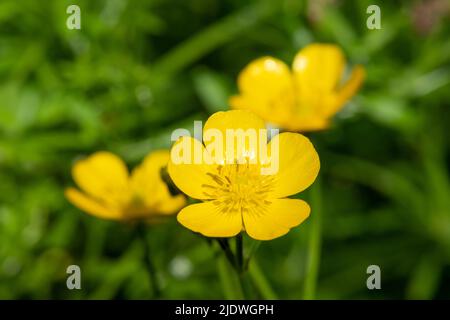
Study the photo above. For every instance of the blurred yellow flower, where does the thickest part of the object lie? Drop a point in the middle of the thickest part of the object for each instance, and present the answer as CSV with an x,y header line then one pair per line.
x,y
236,195
303,99
109,192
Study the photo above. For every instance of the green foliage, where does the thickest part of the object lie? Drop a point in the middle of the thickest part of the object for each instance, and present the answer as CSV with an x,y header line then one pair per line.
x,y
139,69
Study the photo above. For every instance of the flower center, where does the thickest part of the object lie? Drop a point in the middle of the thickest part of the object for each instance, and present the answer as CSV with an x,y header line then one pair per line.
x,y
239,188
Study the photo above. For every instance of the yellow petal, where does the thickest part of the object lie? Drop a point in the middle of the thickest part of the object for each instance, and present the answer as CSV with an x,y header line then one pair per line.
x,y
104,176
91,206
171,204
349,89
207,219
265,76
298,164
279,217
150,189
234,119
146,180
318,67
155,161
233,135
187,167
307,123
266,88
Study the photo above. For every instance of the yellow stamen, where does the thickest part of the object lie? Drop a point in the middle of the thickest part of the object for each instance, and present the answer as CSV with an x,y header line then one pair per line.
x,y
239,188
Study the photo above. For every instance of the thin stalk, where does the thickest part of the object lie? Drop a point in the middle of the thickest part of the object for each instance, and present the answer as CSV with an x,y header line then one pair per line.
x,y
153,283
225,246
229,279
239,263
240,271
314,242
253,248
240,253
234,264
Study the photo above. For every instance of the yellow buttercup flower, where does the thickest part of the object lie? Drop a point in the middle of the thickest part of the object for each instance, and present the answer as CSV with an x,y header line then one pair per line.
x,y
236,195
110,192
303,99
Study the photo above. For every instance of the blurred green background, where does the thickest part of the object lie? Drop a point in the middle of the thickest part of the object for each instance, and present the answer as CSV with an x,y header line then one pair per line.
x,y
139,69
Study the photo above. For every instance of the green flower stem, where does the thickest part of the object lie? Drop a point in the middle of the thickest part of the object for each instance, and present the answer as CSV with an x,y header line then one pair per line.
x,y
253,248
232,279
315,242
225,246
154,285
240,253
240,264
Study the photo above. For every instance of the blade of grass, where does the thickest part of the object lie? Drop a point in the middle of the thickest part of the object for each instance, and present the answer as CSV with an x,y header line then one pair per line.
x,y
380,178
315,242
260,281
150,267
425,279
212,37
